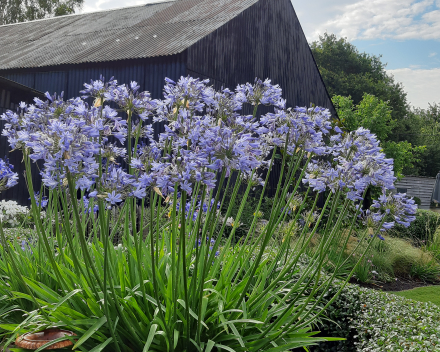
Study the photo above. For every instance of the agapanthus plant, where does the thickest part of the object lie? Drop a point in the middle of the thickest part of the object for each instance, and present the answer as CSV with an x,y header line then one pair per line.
x,y
181,284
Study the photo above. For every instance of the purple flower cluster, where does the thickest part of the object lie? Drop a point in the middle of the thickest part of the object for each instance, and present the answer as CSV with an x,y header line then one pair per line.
x,y
357,162
261,92
44,200
298,128
393,208
205,134
88,206
8,178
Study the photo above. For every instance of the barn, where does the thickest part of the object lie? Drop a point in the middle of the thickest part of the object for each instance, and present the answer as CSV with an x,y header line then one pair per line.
x,y
226,41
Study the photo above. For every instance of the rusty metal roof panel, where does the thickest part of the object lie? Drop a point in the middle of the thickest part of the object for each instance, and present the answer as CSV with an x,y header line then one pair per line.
x,y
150,30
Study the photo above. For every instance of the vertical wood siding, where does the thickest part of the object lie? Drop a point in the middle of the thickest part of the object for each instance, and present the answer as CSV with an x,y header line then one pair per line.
x,y
265,41
420,187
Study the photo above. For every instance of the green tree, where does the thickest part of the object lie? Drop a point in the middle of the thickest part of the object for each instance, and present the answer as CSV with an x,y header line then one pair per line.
x,y
13,11
376,115
371,113
425,130
347,72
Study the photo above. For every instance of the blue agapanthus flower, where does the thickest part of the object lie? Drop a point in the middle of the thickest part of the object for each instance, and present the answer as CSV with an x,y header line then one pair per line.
x,y
44,200
8,178
204,133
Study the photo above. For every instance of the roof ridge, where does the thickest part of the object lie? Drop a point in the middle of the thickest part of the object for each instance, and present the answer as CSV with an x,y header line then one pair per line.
x,y
91,12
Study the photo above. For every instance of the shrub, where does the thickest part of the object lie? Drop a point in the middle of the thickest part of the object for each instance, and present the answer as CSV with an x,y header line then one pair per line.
x,y
337,319
387,322
398,257
421,229
374,321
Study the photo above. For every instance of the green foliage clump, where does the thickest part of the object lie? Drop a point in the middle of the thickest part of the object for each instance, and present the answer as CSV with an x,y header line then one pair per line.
x,y
423,128
398,257
371,113
421,230
417,200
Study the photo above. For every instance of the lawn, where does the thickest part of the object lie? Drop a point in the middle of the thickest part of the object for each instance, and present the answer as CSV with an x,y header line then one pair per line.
x,y
422,294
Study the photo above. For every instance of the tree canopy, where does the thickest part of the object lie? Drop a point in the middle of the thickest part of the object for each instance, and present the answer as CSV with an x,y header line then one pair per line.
x,y
13,11
424,129
347,72
375,114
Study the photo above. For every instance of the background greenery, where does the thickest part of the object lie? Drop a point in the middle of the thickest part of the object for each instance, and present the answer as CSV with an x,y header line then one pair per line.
x,y
365,95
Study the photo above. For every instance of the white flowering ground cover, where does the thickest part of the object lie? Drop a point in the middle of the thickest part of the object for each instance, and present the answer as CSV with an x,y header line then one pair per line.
x,y
375,321
11,213
388,322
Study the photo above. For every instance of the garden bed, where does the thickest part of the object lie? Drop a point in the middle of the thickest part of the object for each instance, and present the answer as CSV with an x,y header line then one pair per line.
x,y
399,284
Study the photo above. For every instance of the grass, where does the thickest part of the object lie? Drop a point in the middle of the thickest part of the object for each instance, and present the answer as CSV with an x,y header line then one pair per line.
x,y
422,294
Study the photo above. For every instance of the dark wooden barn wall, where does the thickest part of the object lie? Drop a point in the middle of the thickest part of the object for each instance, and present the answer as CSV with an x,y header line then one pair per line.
x,y
149,73
264,41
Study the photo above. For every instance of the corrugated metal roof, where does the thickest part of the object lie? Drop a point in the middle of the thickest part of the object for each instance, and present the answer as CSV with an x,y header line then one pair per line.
x,y
150,30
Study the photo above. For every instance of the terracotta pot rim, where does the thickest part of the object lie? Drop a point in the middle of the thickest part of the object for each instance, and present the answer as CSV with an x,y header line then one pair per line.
x,y
24,336
26,341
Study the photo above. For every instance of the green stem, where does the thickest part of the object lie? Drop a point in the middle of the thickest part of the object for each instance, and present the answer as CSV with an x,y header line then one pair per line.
x,y
153,267
104,230
81,236
184,268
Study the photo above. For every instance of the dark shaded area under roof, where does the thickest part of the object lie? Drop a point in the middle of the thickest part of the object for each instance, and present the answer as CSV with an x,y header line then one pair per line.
x,y
150,30
7,85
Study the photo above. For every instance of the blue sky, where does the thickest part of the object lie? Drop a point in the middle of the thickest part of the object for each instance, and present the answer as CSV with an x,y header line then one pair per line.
x,y
405,32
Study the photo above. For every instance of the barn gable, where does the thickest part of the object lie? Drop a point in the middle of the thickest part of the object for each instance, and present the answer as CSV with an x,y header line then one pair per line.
x,y
265,40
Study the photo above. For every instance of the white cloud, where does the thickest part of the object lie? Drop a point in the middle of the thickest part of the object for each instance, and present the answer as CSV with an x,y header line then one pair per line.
x,y
397,19
422,86
432,54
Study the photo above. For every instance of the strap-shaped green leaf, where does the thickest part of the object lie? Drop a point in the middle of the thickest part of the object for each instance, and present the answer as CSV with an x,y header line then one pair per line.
x,y
100,347
150,337
100,322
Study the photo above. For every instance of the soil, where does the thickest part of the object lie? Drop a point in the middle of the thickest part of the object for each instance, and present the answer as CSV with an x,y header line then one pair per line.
x,y
399,284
